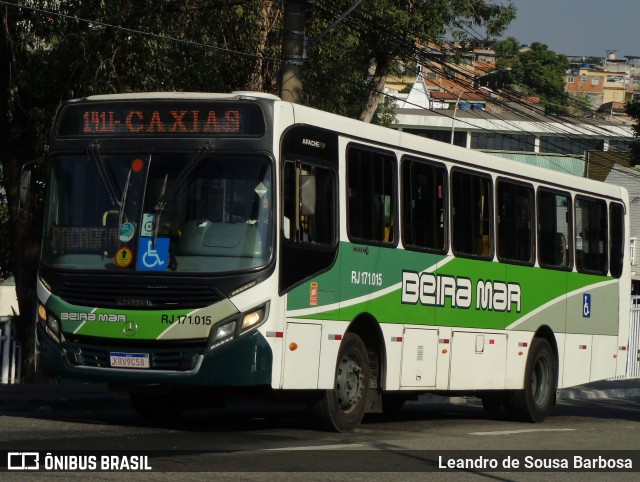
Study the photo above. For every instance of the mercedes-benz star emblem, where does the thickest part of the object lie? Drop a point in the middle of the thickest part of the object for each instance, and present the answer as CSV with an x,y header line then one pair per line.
x,y
130,328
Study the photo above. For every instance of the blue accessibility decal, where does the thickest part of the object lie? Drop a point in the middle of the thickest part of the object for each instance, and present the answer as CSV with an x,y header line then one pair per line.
x,y
586,305
153,257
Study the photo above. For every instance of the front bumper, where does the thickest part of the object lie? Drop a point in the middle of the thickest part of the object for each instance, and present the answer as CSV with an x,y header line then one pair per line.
x,y
244,362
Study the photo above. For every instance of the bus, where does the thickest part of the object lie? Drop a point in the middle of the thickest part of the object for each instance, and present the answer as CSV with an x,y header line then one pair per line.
x,y
199,246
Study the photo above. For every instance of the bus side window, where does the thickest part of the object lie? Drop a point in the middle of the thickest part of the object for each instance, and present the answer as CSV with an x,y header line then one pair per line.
x,y
471,219
371,195
591,235
554,229
424,192
515,222
616,239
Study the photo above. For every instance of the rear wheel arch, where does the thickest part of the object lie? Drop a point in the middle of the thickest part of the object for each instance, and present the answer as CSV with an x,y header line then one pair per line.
x,y
369,331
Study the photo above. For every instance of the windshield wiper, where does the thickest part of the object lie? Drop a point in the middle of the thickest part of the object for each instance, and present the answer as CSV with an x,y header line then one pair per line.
x,y
179,182
94,152
123,200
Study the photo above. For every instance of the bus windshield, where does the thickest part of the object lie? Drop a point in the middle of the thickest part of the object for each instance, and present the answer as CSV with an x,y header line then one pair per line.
x,y
142,212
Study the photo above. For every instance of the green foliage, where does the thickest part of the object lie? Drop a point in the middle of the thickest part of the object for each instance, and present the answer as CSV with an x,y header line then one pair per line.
x,y
536,71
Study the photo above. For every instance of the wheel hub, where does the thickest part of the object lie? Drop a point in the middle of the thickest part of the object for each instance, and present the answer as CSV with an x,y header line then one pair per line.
x,y
349,383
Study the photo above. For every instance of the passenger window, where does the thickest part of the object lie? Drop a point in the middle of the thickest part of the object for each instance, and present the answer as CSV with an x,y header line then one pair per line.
x,y
309,204
424,187
515,223
554,229
471,206
371,196
616,239
591,235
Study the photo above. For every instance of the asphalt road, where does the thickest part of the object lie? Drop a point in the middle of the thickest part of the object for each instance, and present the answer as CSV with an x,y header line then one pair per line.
x,y
251,441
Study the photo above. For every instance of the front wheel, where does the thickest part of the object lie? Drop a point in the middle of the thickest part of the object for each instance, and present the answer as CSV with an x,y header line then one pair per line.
x,y
533,403
342,408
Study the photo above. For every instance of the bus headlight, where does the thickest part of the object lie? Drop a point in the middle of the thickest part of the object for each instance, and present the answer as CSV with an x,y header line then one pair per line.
x,y
252,319
229,329
51,324
223,331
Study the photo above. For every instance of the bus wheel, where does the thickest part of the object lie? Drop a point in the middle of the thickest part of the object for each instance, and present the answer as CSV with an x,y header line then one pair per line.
x,y
342,408
155,407
533,403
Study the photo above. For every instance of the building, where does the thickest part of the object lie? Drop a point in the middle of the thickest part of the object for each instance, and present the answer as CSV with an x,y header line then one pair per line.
x,y
615,81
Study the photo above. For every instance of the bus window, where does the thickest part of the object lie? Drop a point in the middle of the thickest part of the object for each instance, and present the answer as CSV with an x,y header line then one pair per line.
x,y
554,228
616,239
515,222
309,205
423,201
471,206
371,196
591,235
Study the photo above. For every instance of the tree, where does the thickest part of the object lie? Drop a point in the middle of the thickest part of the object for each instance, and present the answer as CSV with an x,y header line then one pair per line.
x,y
633,110
535,71
387,31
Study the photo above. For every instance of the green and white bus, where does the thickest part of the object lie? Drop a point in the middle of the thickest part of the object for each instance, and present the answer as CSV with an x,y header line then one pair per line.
x,y
201,245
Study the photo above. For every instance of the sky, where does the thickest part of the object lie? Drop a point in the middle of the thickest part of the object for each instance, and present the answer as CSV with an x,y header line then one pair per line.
x,y
578,27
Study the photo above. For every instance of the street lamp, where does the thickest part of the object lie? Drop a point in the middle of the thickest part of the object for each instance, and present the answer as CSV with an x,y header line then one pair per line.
x,y
453,119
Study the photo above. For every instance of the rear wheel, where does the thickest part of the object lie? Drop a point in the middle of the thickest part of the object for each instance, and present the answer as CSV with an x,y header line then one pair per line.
x,y
342,408
533,403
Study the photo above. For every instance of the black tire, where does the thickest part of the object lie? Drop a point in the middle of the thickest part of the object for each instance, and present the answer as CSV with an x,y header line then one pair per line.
x,y
534,402
342,409
155,407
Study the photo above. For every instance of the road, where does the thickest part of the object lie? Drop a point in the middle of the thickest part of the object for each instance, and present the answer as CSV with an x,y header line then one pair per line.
x,y
251,441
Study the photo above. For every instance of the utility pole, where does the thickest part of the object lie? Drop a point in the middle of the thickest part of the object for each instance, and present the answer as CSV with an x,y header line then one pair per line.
x,y
292,51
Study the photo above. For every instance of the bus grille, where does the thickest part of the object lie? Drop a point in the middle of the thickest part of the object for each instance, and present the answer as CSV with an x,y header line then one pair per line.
x,y
168,294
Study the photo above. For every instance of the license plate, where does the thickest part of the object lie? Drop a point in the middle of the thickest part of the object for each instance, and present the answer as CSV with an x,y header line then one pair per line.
x,y
129,360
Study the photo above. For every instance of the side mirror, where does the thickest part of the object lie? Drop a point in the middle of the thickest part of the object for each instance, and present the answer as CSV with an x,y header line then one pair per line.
x,y
307,195
25,184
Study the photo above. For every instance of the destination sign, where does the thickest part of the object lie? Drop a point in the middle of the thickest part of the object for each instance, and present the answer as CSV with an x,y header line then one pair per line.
x,y
161,119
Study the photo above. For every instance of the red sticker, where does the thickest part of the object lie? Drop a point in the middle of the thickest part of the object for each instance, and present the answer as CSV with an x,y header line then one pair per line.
x,y
123,257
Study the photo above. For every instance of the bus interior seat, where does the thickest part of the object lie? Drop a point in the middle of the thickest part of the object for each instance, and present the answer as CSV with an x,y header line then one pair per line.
x,y
206,238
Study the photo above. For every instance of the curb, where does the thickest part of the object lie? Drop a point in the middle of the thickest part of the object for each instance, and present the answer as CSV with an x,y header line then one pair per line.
x,y
573,394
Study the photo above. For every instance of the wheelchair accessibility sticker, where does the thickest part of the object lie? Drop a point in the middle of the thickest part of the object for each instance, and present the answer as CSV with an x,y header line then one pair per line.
x,y
586,305
153,258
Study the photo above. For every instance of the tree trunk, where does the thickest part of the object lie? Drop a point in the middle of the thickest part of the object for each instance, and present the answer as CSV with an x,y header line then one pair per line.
x,y
16,148
264,76
377,90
